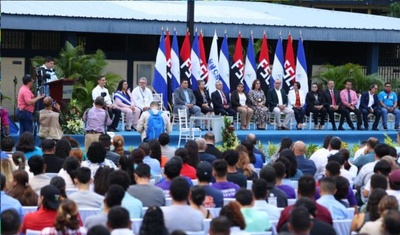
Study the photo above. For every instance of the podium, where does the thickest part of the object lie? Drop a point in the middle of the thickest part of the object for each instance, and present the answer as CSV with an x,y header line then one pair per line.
x,y
61,90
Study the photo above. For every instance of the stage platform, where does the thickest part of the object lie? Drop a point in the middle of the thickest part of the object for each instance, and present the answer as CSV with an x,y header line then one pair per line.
x,y
270,135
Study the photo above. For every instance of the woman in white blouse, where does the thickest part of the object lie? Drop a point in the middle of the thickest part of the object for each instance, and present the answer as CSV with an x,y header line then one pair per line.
x,y
296,102
240,103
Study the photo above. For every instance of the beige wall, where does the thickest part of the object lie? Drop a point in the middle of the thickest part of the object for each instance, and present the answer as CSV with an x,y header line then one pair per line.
x,y
8,72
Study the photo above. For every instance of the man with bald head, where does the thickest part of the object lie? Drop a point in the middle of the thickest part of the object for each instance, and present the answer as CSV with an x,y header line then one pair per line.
x,y
49,120
305,165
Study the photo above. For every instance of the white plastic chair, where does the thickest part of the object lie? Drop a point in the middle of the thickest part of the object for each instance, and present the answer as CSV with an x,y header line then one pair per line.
x,y
52,175
195,233
195,182
29,209
86,212
260,233
32,232
136,224
342,226
71,190
350,213
249,184
206,225
215,211
184,128
168,201
292,201
227,200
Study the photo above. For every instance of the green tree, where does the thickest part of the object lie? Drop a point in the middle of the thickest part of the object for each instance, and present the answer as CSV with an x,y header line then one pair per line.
x,y
394,10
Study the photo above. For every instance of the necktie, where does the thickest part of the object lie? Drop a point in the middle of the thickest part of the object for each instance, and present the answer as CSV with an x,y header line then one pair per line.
x,y
349,97
223,98
333,98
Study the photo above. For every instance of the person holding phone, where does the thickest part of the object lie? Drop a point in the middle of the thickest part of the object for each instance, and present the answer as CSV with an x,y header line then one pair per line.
x,y
50,120
113,110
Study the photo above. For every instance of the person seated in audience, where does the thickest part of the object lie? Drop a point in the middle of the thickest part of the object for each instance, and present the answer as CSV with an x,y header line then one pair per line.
x,y
68,172
286,143
241,103
10,221
98,230
166,150
368,154
118,142
53,162
391,222
394,184
204,175
306,189
220,171
280,170
202,145
100,180
288,166
295,172
105,140
269,175
255,158
211,149
260,192
305,165
7,168
97,158
113,197
221,101
353,170
84,197
21,190
67,220
383,168
7,145
118,221
63,147
171,170
256,220
47,212
253,139
193,153
8,202
197,199
153,222
124,101
366,171
371,213
377,182
244,166
187,170
154,164
327,192
220,226
321,159
376,227
338,157
38,168
232,157
319,226
132,204
128,164
26,144
180,215
155,152
236,220
147,193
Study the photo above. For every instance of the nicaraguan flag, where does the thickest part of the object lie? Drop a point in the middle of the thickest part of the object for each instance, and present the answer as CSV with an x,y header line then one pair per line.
x,y
175,64
224,69
186,64
289,66
277,67
250,66
301,67
203,60
195,58
160,72
213,67
237,68
264,66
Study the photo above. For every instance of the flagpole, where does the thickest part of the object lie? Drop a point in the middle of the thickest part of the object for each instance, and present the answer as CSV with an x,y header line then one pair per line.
x,y
190,17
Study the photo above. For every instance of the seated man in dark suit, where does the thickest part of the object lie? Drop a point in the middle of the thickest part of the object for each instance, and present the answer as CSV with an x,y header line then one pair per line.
x,y
221,101
184,99
211,149
333,104
369,104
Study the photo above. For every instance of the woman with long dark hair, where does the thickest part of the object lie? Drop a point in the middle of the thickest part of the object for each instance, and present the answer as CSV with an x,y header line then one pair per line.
x,y
124,101
21,190
26,144
153,222
196,199
68,171
193,153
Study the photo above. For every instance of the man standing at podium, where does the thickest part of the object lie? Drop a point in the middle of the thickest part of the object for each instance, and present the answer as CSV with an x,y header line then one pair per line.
x,y
47,74
112,109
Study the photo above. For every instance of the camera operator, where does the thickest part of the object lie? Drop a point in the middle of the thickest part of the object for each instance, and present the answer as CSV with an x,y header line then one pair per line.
x,y
50,121
113,111
26,104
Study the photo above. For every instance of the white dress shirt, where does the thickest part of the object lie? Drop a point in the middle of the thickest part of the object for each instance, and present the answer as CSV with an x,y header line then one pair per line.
x,y
97,92
142,98
320,158
279,94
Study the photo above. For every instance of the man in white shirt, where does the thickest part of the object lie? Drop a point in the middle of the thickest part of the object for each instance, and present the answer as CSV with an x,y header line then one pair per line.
x,y
321,159
259,189
278,104
47,74
142,96
113,111
38,167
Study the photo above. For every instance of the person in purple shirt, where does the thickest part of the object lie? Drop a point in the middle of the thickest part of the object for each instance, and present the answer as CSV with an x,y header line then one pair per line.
x,y
220,171
172,169
280,170
305,165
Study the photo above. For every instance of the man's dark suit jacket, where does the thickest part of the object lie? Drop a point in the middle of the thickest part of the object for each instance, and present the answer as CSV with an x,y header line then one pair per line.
x,y
217,100
180,98
199,98
211,149
272,98
328,98
364,100
236,100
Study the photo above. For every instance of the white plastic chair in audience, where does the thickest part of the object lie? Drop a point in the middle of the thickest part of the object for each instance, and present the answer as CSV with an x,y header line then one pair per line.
x,y
68,191
206,225
292,201
168,201
295,184
144,210
215,211
274,223
152,181
51,175
195,233
136,224
195,182
257,170
227,200
249,184
260,233
32,232
342,226
86,212
29,209
350,213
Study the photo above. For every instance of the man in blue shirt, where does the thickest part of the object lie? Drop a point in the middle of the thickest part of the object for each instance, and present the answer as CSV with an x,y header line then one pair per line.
x,y
388,102
8,202
327,199
154,164
305,165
